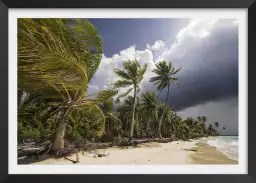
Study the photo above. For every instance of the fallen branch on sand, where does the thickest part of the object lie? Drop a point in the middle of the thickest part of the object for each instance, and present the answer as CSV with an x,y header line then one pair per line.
x,y
190,149
76,161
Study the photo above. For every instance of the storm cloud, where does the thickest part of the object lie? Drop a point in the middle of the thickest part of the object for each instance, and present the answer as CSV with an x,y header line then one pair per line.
x,y
209,67
209,70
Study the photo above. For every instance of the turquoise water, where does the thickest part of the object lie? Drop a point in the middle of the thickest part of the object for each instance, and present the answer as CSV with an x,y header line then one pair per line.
x,y
228,145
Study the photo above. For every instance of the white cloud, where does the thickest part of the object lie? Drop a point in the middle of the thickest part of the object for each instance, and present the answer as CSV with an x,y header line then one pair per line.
x,y
105,75
159,46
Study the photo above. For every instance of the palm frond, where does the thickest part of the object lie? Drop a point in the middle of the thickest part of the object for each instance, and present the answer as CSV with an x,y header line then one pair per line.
x,y
124,94
55,54
164,73
122,74
123,83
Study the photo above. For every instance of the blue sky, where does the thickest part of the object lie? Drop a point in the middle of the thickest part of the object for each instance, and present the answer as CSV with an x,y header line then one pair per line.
x,y
119,34
206,49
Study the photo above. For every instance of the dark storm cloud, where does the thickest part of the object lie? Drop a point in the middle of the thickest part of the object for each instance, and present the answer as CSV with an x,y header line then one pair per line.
x,y
209,71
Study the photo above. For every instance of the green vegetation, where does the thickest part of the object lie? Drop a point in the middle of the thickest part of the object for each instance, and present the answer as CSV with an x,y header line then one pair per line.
x,y
57,59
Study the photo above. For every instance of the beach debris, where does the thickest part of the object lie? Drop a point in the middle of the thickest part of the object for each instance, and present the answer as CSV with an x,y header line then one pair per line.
x,y
102,154
65,152
190,149
88,146
32,147
22,158
97,154
74,162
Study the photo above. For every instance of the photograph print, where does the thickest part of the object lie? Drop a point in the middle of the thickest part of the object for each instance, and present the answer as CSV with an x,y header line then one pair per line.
x,y
127,91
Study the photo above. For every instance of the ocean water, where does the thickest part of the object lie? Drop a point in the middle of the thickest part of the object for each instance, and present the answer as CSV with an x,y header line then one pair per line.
x,y
228,145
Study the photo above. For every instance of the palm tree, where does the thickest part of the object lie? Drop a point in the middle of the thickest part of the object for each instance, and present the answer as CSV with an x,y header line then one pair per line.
x,y
131,76
138,114
204,119
168,123
216,124
223,128
113,124
183,130
165,75
149,104
56,60
210,129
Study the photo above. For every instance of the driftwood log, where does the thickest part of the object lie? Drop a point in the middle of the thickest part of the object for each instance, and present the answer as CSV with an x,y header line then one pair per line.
x,y
33,148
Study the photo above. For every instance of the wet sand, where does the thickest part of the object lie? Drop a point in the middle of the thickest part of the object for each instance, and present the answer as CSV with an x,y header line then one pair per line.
x,y
209,155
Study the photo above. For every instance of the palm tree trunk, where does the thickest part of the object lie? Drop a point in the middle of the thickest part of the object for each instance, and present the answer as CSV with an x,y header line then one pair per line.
x,y
148,128
133,112
154,124
137,125
161,119
58,141
164,129
126,125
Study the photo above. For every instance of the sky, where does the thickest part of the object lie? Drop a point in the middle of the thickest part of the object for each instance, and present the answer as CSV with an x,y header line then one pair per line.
x,y
205,49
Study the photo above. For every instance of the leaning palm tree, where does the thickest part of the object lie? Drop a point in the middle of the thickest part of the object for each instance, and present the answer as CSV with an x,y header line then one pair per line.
x,y
56,60
131,76
165,75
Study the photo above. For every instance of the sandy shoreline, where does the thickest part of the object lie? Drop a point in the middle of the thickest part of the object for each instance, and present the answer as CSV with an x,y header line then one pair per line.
x,y
176,152
209,155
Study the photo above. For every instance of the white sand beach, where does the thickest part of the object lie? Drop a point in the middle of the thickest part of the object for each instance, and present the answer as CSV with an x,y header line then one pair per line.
x,y
153,153
148,153
176,152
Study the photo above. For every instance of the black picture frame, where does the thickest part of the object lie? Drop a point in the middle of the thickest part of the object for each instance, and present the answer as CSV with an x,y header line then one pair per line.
x,y
250,5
